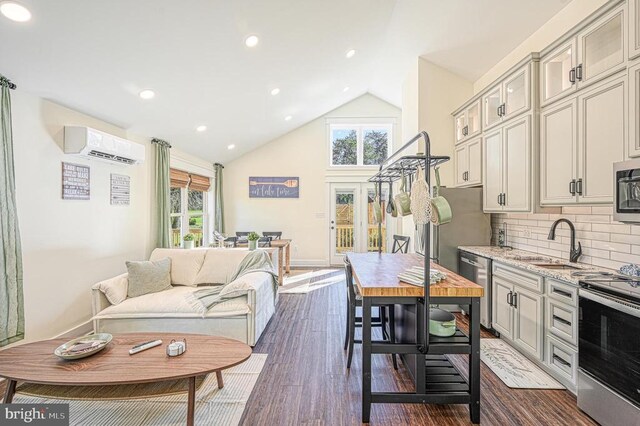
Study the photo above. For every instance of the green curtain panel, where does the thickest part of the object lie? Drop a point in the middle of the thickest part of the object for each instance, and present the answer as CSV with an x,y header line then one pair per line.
x,y
11,301
163,206
218,219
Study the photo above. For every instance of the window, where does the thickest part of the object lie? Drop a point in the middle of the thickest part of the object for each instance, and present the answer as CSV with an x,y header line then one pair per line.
x,y
359,145
189,213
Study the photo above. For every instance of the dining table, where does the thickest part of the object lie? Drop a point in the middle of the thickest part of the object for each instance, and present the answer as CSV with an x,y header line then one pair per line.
x,y
436,379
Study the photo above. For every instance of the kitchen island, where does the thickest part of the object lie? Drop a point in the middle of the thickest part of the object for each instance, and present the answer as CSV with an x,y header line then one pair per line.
x,y
436,380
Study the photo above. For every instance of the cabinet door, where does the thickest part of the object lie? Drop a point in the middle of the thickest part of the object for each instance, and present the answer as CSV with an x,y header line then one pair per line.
x,y
558,153
502,313
558,79
460,122
634,110
601,133
462,164
601,48
528,327
516,93
517,165
474,125
492,171
474,169
491,103
634,28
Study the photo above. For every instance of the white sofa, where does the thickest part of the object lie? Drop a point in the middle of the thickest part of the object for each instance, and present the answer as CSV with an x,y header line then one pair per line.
x,y
243,318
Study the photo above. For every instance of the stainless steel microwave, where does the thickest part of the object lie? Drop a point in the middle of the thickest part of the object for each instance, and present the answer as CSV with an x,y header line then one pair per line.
x,y
626,206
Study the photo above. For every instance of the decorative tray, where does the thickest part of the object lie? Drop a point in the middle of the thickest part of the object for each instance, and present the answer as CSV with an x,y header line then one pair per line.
x,y
84,346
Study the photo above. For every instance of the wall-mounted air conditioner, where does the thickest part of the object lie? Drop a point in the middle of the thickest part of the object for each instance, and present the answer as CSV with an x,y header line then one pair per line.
x,y
94,144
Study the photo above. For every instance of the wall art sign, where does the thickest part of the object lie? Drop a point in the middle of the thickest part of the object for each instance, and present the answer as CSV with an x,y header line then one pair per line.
x,y
274,187
76,182
120,190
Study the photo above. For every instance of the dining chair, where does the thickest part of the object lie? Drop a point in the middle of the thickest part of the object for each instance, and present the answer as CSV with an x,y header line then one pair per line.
x,y
242,234
386,317
231,241
264,242
275,235
400,244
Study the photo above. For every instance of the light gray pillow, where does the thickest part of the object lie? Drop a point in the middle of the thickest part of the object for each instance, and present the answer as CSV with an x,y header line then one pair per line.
x,y
148,277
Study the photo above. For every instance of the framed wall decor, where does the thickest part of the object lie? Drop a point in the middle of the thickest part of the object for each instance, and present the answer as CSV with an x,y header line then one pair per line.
x,y
76,181
120,190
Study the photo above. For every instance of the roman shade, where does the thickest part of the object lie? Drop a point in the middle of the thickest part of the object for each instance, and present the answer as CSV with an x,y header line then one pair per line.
x,y
178,178
199,183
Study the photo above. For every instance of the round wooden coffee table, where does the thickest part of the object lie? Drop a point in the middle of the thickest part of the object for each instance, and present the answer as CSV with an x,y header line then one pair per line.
x,y
36,363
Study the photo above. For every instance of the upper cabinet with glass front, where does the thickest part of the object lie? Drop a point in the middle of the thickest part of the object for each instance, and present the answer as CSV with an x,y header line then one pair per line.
x,y
596,52
634,28
467,121
508,98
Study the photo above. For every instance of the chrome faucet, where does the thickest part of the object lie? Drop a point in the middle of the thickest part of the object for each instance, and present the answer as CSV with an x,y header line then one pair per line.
x,y
574,253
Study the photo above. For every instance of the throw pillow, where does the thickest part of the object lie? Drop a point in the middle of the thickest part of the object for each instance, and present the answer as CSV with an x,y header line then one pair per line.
x,y
148,277
185,264
114,289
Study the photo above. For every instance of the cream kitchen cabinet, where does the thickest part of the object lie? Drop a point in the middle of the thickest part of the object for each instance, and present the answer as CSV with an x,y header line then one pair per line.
x,y
528,325
468,163
508,98
634,28
468,122
507,167
634,111
594,53
580,140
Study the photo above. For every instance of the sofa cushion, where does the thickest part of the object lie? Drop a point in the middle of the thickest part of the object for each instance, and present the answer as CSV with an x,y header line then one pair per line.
x,y
219,265
114,289
148,277
185,264
171,303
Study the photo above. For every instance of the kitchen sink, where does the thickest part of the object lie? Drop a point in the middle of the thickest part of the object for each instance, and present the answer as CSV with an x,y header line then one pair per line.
x,y
556,266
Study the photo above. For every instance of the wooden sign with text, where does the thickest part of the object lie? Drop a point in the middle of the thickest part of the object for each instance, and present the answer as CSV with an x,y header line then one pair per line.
x,y
274,187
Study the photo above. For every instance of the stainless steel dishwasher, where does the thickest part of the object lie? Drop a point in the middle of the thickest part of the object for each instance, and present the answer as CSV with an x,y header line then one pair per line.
x,y
478,269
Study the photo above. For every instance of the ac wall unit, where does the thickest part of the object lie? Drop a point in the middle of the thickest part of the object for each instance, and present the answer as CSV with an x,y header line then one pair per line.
x,y
94,144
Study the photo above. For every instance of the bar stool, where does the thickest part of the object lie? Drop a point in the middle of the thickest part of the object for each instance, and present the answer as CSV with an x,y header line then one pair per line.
x,y
386,317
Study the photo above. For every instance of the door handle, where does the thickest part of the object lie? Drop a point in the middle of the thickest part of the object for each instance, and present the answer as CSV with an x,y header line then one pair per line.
x,y
561,361
572,187
579,186
572,76
499,111
579,72
503,107
515,300
510,298
500,199
562,320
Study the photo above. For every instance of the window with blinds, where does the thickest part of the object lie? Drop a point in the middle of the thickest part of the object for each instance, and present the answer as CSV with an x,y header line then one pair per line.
x,y
189,213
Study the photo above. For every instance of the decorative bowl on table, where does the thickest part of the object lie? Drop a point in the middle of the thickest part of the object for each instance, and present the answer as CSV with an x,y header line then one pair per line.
x,y
84,346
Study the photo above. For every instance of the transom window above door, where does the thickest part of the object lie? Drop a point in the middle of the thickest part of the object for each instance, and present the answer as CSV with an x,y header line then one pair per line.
x,y
356,145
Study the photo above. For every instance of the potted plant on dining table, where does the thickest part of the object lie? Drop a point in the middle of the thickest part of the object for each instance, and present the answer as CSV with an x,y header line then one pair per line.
x,y
253,240
188,241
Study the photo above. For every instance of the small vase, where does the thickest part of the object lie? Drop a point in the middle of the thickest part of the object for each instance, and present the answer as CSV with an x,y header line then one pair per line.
x,y
253,244
188,244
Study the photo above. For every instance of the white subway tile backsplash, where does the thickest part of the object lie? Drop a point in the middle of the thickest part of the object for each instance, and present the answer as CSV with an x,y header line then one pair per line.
x,y
605,242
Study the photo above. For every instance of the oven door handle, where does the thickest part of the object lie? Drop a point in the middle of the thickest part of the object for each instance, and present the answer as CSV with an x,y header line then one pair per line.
x,y
613,302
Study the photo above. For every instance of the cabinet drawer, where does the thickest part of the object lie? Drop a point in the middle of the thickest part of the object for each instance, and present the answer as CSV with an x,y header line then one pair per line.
x,y
562,321
562,292
519,276
562,359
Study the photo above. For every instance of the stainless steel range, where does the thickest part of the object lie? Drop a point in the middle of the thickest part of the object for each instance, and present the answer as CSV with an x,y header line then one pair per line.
x,y
609,350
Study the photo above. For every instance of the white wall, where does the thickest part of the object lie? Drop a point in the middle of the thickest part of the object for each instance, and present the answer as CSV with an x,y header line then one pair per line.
x,y
302,152
556,27
69,245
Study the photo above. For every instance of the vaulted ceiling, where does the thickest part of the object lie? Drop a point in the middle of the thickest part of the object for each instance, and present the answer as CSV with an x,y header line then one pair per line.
x,y
97,56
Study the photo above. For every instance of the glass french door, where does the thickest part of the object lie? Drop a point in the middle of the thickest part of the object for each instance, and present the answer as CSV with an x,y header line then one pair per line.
x,y
352,222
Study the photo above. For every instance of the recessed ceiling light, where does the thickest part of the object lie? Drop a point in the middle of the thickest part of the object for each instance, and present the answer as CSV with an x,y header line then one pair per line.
x,y
350,53
201,128
147,94
231,146
15,11
287,118
275,91
251,41
346,89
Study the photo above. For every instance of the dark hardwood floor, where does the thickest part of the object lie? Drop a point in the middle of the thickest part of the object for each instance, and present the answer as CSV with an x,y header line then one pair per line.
x,y
305,380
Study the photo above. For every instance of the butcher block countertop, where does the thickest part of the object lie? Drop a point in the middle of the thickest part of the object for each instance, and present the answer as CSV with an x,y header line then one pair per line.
x,y
376,275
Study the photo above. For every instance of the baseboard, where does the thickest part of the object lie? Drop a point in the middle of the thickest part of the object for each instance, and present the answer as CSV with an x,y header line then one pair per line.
x,y
79,330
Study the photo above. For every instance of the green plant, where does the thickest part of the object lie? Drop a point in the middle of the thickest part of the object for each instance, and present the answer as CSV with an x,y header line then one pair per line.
x,y
189,237
253,236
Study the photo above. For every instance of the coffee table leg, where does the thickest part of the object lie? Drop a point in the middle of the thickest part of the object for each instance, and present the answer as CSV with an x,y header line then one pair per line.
x,y
219,377
9,391
191,405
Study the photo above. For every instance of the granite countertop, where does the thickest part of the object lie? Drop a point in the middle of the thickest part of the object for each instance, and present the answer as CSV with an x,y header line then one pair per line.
x,y
524,259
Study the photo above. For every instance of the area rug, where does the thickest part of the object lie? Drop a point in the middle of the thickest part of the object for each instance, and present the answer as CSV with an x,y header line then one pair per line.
x,y
513,368
213,406
310,281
